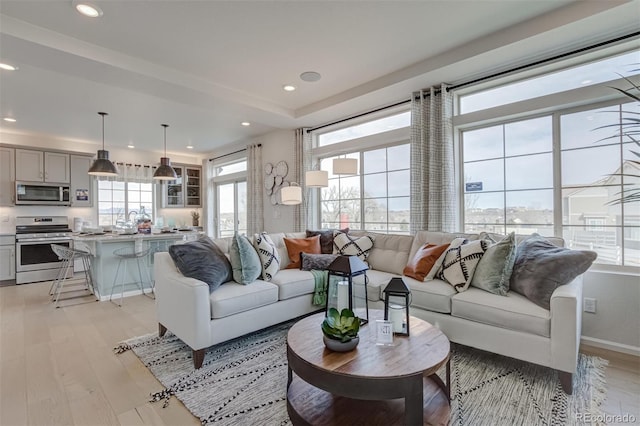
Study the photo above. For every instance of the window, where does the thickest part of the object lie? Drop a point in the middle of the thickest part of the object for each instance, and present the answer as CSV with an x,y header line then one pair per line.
x,y
121,201
230,185
366,129
555,173
377,199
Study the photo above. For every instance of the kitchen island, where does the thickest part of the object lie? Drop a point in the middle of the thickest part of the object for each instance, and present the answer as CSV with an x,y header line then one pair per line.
x,y
105,263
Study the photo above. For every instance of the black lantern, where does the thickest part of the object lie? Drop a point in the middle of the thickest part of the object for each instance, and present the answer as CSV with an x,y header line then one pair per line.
x,y
347,267
397,289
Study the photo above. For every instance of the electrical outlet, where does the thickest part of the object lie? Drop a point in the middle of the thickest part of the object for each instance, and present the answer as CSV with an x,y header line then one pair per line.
x,y
589,305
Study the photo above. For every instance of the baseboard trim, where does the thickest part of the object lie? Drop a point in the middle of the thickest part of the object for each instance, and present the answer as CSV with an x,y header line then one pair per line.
x,y
611,346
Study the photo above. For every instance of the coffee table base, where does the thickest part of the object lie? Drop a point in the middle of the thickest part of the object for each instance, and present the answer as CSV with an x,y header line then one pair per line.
x,y
308,405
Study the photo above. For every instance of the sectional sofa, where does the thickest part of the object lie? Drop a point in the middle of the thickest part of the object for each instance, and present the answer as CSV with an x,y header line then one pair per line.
x,y
508,325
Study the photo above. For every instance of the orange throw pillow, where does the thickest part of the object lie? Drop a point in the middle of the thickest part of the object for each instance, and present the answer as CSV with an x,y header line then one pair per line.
x,y
423,261
295,246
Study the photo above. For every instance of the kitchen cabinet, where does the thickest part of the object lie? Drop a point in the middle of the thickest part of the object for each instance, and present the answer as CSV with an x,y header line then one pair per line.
x,y
7,257
42,166
186,191
81,183
7,173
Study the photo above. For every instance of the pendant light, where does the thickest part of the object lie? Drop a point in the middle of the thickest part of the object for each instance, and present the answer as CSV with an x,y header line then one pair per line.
x,y
291,195
345,166
102,166
316,179
165,171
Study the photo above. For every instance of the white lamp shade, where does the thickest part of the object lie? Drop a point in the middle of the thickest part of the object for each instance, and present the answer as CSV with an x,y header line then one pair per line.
x,y
317,179
345,166
291,195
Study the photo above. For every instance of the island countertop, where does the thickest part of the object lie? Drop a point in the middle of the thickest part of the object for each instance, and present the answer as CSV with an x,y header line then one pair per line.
x,y
178,235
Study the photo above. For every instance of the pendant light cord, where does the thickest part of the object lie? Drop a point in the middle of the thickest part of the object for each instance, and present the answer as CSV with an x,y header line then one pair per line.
x,y
165,138
103,114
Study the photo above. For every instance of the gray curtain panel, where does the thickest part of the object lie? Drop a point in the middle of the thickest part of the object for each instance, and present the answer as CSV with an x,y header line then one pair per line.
x,y
255,206
433,203
302,163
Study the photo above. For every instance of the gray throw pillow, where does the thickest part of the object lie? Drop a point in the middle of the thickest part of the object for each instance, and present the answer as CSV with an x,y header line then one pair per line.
x,y
244,260
202,260
494,269
541,267
326,238
318,262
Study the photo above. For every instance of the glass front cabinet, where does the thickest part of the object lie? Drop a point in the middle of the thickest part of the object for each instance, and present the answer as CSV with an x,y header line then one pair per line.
x,y
186,191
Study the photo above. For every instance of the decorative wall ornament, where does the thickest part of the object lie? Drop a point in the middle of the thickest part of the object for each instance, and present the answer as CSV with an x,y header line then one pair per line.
x,y
274,180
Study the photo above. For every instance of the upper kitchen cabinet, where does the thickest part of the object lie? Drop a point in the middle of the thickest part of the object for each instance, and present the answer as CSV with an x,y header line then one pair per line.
x,y
7,173
81,185
42,166
186,190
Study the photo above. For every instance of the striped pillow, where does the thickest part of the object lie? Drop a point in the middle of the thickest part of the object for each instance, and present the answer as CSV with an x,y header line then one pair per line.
x,y
269,256
352,246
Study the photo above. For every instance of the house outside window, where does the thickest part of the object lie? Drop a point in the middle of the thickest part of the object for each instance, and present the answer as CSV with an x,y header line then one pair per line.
x,y
557,172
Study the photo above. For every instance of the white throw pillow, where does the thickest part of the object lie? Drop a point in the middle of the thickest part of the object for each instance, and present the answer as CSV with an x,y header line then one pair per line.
x,y
352,246
460,261
269,256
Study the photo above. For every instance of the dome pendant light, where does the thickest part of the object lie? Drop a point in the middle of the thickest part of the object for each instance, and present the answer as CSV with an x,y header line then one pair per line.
x,y
102,166
165,171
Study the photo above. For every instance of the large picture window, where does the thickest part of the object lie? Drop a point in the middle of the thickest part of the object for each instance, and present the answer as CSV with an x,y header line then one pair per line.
x,y
560,172
122,201
230,186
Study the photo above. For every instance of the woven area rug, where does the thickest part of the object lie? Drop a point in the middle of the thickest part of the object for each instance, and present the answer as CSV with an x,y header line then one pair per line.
x,y
243,381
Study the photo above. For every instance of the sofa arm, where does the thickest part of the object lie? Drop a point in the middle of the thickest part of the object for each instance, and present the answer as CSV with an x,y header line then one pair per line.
x,y
182,303
566,325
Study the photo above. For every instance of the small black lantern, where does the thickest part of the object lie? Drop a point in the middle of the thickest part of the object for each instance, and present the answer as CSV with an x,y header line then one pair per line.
x,y
347,267
396,289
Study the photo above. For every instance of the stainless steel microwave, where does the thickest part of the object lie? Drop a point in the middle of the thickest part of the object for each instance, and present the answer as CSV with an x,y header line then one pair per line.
x,y
36,193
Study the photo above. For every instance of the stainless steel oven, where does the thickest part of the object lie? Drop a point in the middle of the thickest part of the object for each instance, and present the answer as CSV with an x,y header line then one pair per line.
x,y
35,260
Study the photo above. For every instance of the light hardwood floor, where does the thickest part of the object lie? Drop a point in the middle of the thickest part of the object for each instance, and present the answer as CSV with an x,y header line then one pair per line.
x,y
57,366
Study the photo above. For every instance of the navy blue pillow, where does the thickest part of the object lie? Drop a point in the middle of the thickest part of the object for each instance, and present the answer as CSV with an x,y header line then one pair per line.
x,y
202,260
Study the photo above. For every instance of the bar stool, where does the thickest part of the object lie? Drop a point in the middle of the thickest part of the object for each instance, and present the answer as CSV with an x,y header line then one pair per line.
x,y
68,256
125,255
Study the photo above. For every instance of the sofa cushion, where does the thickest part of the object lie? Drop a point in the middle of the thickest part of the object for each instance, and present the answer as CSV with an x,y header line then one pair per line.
x,y
309,261
423,261
295,246
244,260
460,261
377,281
326,238
494,269
202,260
541,267
512,311
269,255
432,295
293,282
390,253
438,238
348,245
233,298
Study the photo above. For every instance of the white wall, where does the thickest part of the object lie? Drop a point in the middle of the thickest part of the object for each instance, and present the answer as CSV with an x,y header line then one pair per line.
x,y
616,323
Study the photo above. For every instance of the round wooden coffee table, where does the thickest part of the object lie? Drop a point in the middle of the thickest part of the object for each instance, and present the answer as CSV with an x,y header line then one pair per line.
x,y
371,384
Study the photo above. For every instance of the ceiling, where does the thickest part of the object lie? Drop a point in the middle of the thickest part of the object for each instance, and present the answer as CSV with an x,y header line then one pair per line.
x,y
204,67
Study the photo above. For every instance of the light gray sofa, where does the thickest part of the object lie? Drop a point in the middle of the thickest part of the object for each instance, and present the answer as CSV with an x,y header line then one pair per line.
x,y
507,325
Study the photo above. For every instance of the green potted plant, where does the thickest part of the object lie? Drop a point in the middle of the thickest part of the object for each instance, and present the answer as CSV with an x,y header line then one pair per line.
x,y
340,330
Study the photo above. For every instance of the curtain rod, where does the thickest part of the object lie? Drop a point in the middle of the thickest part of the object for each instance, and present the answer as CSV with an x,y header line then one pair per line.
x,y
231,153
489,77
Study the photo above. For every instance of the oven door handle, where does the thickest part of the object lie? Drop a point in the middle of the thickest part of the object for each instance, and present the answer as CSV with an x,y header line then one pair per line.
x,y
43,240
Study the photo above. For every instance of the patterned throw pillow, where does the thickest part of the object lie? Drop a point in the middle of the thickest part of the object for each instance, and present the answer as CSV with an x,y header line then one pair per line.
x,y
460,261
269,256
352,246
326,238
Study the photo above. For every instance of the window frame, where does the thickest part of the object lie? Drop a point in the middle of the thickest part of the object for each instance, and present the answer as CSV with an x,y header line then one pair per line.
x,y
225,179
152,212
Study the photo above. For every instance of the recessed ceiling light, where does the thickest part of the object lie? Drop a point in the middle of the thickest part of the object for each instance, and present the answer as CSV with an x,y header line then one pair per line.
x,y
245,123
189,146
310,76
289,88
9,119
583,82
131,146
7,67
88,9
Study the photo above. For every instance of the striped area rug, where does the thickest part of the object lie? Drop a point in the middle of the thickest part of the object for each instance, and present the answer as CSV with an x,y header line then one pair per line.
x,y
243,381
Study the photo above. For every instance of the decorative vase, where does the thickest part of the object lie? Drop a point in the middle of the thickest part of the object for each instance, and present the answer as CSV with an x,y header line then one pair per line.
x,y
338,346
194,222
